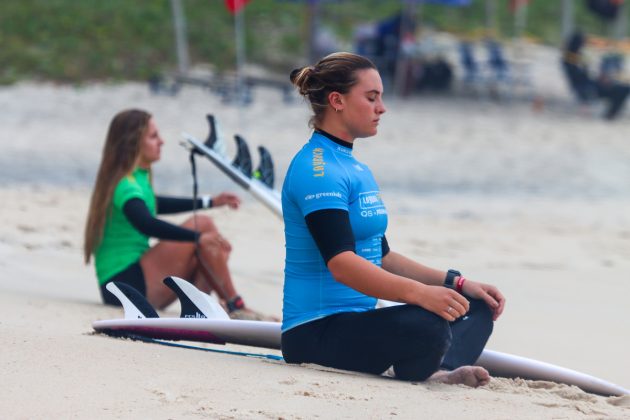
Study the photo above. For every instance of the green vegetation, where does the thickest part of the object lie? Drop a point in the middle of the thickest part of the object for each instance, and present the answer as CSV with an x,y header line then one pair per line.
x,y
79,40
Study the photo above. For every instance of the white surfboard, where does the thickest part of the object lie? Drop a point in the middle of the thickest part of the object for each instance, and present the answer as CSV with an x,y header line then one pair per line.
x,y
218,331
262,191
267,335
203,320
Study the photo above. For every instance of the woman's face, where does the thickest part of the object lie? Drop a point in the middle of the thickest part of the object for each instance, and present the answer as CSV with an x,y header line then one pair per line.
x,y
363,105
150,146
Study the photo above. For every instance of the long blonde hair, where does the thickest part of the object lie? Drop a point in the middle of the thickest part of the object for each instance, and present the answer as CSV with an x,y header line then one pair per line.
x,y
120,155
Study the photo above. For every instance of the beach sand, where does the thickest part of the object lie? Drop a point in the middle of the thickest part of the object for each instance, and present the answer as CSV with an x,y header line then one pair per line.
x,y
537,203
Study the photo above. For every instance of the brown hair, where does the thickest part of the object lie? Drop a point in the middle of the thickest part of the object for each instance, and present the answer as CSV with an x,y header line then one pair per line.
x,y
333,73
120,155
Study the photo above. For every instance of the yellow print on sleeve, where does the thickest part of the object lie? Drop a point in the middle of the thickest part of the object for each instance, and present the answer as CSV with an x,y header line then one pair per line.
x,y
318,162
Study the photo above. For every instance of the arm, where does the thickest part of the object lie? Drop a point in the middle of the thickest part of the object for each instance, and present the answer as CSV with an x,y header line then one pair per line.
x,y
403,266
399,264
360,274
332,233
170,205
140,218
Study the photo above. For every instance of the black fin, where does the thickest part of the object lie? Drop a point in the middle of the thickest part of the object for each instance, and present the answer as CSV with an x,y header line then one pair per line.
x,y
243,159
194,303
265,173
212,135
134,304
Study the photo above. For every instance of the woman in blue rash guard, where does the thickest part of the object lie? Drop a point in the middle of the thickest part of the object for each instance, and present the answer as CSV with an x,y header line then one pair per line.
x,y
338,260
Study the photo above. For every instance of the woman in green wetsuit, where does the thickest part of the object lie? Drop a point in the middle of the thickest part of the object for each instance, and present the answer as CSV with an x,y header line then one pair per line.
x,y
122,217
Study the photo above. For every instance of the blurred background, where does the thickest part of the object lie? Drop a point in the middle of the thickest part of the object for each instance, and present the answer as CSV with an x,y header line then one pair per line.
x,y
504,152
428,46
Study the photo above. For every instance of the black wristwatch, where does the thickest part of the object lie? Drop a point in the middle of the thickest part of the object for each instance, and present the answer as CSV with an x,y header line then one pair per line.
x,y
449,281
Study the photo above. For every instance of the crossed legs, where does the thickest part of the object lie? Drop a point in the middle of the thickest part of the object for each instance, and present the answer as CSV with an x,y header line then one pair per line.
x,y
206,268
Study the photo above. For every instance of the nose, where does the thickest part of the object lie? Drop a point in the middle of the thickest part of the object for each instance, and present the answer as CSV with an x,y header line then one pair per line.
x,y
381,108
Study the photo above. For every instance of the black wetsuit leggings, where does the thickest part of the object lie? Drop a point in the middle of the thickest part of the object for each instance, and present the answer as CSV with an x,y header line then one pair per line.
x,y
132,275
414,341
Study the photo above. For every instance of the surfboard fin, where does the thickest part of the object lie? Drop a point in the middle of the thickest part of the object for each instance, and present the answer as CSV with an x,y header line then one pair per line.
x,y
215,140
194,303
134,304
212,135
243,159
265,173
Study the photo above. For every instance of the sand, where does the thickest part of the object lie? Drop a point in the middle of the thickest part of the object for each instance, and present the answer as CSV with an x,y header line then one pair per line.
x,y
536,202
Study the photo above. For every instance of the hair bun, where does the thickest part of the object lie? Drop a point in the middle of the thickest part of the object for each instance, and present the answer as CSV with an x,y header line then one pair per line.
x,y
294,74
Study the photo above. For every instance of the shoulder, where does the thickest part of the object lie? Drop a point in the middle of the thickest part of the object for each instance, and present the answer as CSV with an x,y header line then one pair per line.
x,y
127,188
315,162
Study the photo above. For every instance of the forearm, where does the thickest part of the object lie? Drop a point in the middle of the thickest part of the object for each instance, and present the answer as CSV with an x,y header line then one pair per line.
x,y
138,214
170,205
398,264
358,273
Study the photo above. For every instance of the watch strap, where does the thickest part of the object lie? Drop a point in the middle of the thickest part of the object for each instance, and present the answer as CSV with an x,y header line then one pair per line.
x,y
449,281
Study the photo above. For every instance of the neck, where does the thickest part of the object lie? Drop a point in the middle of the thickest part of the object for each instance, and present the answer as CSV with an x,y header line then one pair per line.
x,y
334,138
334,126
140,163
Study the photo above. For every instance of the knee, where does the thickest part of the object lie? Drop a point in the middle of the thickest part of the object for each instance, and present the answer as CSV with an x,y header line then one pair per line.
x,y
425,327
202,223
482,315
428,343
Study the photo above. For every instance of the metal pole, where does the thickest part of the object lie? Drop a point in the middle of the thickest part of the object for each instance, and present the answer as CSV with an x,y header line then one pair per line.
x,y
520,20
312,24
181,44
568,19
491,18
621,23
408,11
240,49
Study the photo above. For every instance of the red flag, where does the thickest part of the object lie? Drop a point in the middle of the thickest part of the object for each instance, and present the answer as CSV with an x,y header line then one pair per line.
x,y
235,6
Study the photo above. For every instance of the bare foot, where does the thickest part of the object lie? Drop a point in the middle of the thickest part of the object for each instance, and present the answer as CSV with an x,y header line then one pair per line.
x,y
473,376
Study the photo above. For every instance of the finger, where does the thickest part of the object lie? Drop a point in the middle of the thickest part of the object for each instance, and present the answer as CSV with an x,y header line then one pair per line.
x,y
500,302
458,309
499,310
461,300
447,316
490,301
454,311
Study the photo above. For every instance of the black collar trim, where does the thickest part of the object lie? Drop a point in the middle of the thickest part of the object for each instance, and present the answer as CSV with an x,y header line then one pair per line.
x,y
334,138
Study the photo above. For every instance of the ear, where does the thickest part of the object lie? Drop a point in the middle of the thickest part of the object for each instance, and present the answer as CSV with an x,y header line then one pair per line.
x,y
335,100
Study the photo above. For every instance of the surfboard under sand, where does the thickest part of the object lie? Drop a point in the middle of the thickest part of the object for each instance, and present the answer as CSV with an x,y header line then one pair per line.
x,y
203,320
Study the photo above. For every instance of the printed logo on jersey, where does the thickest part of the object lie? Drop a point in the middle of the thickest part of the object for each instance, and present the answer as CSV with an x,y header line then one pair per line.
x,y
371,204
358,167
322,195
370,200
318,162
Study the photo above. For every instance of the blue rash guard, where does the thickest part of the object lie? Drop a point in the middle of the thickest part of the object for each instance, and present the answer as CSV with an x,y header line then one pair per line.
x,y
325,175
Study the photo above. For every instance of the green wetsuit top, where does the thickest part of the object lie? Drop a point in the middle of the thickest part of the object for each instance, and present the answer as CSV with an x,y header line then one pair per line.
x,y
122,243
